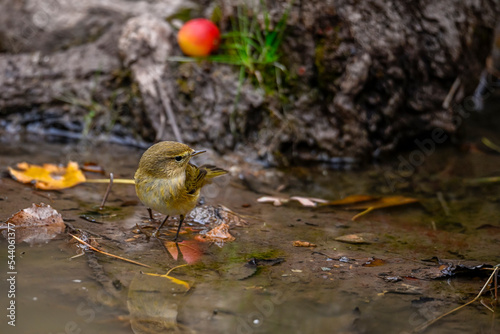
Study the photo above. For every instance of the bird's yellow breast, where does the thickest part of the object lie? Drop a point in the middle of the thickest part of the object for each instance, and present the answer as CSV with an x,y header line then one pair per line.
x,y
166,195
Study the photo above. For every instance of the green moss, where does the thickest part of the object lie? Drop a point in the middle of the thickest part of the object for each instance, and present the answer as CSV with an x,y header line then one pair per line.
x,y
266,254
326,67
319,55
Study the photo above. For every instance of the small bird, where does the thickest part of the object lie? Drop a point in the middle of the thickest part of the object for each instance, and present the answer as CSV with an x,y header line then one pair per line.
x,y
168,183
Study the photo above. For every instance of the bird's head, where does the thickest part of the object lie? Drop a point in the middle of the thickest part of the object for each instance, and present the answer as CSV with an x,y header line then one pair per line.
x,y
166,159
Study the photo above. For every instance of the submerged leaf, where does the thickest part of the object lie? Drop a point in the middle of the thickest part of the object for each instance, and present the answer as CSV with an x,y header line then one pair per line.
x,y
188,249
48,176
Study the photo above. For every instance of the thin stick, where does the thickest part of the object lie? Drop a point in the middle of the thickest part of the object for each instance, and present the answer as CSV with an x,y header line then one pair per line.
x,y
490,144
121,181
428,323
451,93
108,190
108,254
168,273
489,308
442,201
370,209
496,289
165,100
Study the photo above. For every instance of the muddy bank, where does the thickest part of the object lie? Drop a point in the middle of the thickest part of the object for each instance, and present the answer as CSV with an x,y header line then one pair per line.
x,y
360,78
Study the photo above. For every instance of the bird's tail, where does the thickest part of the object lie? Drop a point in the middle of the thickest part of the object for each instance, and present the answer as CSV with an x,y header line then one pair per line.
x,y
213,171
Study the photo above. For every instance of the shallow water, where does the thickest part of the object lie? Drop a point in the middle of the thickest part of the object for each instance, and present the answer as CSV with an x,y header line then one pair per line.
x,y
311,291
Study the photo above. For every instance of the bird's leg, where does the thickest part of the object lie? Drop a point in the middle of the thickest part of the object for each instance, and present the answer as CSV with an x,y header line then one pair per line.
x,y
150,214
155,234
179,228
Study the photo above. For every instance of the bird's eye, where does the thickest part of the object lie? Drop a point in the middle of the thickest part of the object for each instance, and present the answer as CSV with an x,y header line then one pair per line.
x,y
178,158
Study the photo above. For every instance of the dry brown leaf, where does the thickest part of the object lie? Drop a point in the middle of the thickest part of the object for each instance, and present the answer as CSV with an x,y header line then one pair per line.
x,y
48,176
92,167
39,223
218,235
374,262
357,238
299,243
230,217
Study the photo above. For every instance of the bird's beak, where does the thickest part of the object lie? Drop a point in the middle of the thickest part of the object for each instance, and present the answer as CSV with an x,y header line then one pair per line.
x,y
197,152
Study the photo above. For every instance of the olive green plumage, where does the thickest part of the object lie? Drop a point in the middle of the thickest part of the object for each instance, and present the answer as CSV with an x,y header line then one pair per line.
x,y
168,183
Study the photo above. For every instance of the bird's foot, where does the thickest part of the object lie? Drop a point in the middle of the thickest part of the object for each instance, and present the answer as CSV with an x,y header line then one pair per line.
x,y
156,233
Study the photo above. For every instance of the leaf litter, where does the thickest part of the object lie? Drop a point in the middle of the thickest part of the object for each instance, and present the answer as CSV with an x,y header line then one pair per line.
x,y
354,202
36,224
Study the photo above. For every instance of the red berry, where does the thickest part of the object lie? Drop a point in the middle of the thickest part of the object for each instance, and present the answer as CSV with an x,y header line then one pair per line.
x,y
198,37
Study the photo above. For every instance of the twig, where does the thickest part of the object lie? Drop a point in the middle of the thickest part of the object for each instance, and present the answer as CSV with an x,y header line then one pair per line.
x,y
120,181
451,93
481,180
108,254
489,308
488,143
496,289
442,201
182,265
108,190
428,323
165,100
370,209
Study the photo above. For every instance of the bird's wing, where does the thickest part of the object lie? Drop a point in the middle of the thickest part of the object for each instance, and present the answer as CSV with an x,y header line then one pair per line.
x,y
194,178
197,177
213,171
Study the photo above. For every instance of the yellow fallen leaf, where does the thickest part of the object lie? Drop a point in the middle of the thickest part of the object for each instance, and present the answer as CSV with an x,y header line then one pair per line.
x,y
384,202
352,199
48,176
